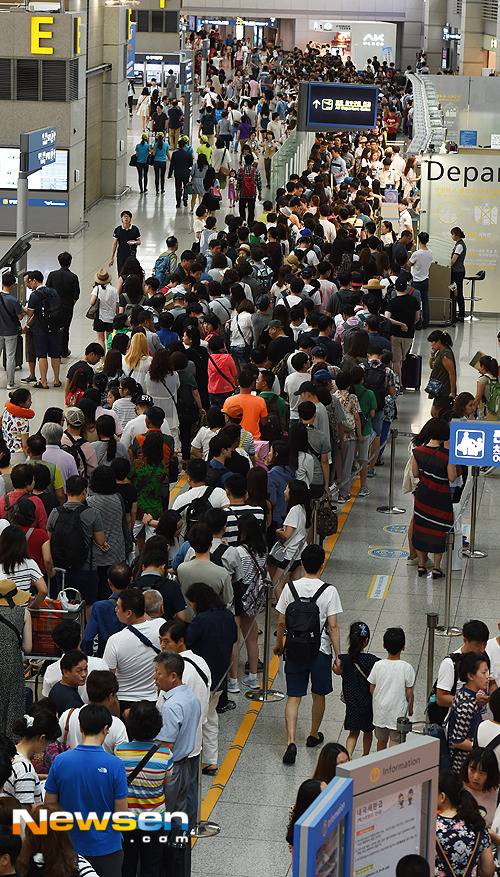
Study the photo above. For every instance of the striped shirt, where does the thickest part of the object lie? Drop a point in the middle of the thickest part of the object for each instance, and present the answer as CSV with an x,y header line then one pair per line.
x,y
235,512
125,409
85,869
147,790
23,782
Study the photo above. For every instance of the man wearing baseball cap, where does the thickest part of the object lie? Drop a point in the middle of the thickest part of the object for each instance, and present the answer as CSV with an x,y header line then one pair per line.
x,y
76,444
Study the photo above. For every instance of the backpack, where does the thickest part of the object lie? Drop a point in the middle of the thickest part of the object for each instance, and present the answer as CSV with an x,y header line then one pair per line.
x,y
435,713
375,379
75,449
493,397
50,312
217,555
302,622
10,509
162,267
281,370
67,543
348,331
130,305
248,187
264,275
273,410
197,507
253,594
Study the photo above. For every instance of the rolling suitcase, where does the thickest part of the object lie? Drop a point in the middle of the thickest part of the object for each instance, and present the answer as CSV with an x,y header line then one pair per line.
x,y
411,372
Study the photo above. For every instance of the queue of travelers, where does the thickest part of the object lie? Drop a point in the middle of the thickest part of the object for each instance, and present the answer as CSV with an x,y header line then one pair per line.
x,y
234,394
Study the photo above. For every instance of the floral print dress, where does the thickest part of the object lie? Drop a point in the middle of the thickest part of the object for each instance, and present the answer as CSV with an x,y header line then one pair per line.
x,y
455,839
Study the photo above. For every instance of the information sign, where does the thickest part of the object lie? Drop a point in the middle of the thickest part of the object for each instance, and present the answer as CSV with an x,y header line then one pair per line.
x,y
334,105
38,149
322,836
475,443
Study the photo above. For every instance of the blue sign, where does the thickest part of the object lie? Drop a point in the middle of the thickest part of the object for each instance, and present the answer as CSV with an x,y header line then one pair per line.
x,y
34,202
131,50
333,105
38,148
383,551
396,528
475,444
468,138
322,836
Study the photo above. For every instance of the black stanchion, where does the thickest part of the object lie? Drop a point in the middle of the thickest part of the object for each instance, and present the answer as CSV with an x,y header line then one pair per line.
x,y
447,629
432,623
391,509
471,551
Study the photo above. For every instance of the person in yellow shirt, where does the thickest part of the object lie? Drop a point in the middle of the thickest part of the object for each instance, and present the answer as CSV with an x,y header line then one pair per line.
x,y
205,149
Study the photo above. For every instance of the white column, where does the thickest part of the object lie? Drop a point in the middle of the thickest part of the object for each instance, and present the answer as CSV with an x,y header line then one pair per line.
x,y
434,19
472,54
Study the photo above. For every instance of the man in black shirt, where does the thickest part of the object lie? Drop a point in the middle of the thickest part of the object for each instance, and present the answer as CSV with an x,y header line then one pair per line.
x,y
65,695
67,286
280,345
159,120
403,312
154,563
126,239
174,124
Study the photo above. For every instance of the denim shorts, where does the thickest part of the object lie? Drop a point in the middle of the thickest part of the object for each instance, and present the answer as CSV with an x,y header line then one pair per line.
x,y
319,672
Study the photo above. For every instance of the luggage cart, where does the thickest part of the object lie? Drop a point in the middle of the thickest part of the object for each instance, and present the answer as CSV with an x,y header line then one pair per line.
x,y
67,604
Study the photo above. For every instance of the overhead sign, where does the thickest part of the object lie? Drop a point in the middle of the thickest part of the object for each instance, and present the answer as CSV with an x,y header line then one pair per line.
x,y
38,149
467,138
322,836
475,444
335,106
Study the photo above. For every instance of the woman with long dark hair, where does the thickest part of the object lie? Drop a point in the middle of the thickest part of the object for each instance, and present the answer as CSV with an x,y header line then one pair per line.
x,y
301,459
17,565
329,758
293,534
51,853
107,448
307,793
189,405
355,668
463,844
433,508
443,376
198,354
198,172
162,383
249,596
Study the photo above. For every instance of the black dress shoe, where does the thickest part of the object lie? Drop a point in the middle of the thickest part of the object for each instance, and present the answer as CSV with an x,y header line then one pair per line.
x,y
290,754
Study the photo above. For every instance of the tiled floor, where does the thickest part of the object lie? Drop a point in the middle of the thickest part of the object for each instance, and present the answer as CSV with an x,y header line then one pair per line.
x,y
253,807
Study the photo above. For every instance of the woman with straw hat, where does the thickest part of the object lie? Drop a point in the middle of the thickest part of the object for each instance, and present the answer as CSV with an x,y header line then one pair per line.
x,y
15,639
104,294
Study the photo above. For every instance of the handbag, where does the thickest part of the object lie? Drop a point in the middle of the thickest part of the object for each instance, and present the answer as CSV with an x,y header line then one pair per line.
x,y
225,171
93,310
189,189
409,481
434,388
327,519
133,160
151,159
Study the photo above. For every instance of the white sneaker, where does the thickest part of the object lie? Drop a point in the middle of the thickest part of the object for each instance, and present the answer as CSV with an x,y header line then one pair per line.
x,y
11,386
364,492
233,687
250,681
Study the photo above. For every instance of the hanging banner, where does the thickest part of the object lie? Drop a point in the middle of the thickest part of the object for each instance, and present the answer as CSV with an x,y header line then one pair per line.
x,y
131,49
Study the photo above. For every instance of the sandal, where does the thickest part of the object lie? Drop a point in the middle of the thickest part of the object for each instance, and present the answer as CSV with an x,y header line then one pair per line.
x,y
57,385
422,571
437,574
39,386
209,771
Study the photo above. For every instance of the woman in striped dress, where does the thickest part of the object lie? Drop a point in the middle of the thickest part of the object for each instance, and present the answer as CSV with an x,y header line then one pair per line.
x,y
433,508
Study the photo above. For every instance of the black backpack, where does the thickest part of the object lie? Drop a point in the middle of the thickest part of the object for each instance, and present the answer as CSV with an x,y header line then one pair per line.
x,y
375,379
67,543
217,555
302,622
198,507
75,449
50,311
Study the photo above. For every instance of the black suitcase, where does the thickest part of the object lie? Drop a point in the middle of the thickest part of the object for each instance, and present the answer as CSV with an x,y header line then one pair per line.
x,y
411,372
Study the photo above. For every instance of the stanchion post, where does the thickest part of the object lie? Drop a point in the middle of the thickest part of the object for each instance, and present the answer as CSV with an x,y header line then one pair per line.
x,y
266,694
447,629
403,727
432,623
391,509
471,550
203,827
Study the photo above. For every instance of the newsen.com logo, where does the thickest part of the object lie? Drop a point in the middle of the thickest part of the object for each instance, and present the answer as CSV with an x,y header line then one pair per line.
x,y
63,820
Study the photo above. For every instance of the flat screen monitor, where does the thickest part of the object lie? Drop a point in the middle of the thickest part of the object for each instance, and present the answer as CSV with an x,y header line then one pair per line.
x,y
51,178
335,106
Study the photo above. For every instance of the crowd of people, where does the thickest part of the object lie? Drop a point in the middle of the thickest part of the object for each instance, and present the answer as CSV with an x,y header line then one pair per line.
x,y
260,369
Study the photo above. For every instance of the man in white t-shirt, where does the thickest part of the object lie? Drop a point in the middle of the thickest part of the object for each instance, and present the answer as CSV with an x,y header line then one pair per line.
x,y
420,265
130,653
319,670
67,636
197,475
475,634
137,426
102,688
391,684
300,363
493,652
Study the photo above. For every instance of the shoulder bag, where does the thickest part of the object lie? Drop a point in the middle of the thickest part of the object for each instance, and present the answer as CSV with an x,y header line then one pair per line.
x,y
170,394
226,377
199,671
144,640
93,311
245,342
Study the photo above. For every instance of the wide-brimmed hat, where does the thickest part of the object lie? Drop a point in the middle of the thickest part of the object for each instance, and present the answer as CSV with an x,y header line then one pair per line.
x,y
10,595
373,283
102,276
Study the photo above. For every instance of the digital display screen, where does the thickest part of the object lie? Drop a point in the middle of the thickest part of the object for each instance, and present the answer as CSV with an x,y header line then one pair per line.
x,y
341,107
50,178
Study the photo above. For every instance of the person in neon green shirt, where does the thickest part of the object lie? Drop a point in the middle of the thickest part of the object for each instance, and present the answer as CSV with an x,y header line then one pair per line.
x,y
205,149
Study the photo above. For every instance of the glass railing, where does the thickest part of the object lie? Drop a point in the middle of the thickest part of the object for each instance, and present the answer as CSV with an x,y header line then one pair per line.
x,y
291,158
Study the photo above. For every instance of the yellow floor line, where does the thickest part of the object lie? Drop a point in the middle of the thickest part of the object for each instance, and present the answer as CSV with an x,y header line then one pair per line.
x,y
243,733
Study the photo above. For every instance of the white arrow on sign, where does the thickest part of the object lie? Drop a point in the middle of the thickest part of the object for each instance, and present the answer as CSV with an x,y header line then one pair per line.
x,y
316,103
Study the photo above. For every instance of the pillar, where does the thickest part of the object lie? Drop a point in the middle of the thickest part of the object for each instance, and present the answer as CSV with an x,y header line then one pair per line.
x,y
435,12
410,35
471,43
114,102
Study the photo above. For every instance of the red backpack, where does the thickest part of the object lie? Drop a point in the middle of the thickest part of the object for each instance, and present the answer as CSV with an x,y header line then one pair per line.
x,y
248,189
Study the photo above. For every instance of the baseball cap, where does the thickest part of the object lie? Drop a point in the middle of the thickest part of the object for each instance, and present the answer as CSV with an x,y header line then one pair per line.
x,y
307,271
275,324
306,387
305,233
322,376
401,284
74,416
319,350
144,400
178,294
232,407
